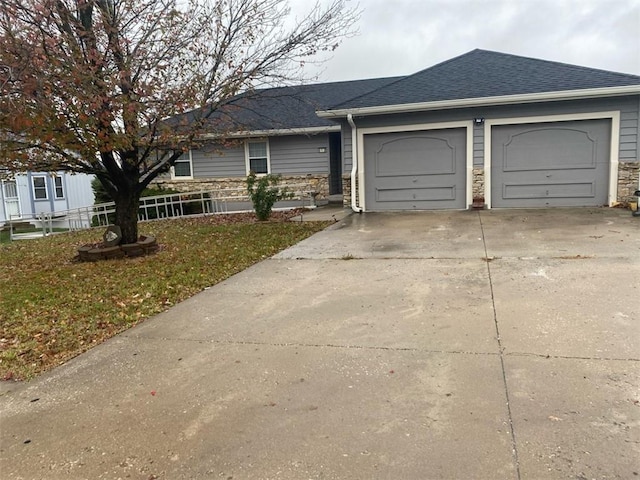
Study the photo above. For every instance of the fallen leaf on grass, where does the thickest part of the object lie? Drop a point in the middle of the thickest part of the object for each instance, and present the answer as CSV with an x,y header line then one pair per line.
x,y
74,306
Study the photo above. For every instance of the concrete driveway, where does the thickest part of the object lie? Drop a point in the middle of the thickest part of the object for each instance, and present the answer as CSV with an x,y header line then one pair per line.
x,y
440,345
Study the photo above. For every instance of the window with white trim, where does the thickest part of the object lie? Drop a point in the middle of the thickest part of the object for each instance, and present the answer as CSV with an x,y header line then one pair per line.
x,y
183,168
257,157
58,187
39,184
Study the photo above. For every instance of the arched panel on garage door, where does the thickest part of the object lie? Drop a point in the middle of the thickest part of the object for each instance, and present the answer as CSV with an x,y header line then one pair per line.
x,y
420,170
552,164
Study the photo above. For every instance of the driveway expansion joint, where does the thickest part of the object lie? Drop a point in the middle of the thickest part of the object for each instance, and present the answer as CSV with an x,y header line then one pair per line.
x,y
514,444
571,357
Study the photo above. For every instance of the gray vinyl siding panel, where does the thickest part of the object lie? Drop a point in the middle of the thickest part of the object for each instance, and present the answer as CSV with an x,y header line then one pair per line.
x,y
299,154
629,108
347,149
218,161
629,131
289,155
478,145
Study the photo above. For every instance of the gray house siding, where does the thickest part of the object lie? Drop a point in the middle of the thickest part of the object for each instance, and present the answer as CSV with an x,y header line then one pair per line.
x,y
478,145
299,159
629,108
347,148
289,155
299,155
218,161
630,131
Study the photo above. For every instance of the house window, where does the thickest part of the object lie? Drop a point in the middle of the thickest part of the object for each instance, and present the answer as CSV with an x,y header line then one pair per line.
x,y
183,167
39,188
257,155
57,181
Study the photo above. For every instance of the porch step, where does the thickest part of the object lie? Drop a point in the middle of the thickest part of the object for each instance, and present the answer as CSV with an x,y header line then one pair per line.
x,y
335,199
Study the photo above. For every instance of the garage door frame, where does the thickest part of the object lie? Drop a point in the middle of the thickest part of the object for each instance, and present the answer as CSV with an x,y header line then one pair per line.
x,y
468,125
614,116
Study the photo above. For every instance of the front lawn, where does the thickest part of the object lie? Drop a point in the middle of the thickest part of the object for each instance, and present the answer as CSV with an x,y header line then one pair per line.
x,y
52,307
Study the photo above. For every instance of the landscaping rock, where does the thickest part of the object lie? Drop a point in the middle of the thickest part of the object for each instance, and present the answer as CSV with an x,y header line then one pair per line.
x,y
146,245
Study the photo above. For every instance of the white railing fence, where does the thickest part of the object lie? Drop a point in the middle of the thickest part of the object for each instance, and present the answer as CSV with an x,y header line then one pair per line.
x,y
206,202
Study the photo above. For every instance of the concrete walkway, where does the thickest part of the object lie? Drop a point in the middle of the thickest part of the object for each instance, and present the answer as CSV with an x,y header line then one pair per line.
x,y
441,345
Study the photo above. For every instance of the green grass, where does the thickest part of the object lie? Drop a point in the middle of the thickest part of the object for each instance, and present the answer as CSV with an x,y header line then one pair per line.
x,y
52,307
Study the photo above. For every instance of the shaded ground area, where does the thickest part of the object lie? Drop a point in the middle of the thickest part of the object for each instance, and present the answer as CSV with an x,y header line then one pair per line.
x,y
492,344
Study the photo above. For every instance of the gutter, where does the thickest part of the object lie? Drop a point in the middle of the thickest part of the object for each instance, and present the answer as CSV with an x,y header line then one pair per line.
x,y
271,133
485,101
354,163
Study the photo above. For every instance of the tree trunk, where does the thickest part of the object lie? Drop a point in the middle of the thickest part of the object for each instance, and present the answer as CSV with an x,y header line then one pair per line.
x,y
127,216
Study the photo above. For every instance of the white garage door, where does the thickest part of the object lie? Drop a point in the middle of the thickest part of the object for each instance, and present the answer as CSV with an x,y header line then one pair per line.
x,y
421,170
552,164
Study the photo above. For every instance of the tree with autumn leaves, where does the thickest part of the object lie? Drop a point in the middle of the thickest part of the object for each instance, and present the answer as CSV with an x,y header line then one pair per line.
x,y
87,86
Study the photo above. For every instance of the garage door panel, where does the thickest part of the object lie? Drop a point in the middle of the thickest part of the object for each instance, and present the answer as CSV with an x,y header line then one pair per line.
x,y
550,164
420,170
513,191
549,149
431,194
421,155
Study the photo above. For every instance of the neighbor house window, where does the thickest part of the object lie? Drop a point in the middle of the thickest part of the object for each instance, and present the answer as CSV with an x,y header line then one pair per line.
x,y
183,167
39,188
257,155
57,181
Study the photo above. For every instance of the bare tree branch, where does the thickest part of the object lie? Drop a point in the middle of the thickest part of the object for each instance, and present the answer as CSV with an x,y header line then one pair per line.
x,y
87,85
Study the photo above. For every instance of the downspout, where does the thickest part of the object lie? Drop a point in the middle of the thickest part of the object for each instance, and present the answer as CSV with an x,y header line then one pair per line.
x,y
354,163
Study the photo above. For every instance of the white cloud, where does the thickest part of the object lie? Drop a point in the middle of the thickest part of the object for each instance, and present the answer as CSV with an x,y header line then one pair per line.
x,y
404,36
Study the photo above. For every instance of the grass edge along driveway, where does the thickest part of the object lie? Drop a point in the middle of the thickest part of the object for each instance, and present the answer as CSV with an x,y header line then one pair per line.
x,y
52,308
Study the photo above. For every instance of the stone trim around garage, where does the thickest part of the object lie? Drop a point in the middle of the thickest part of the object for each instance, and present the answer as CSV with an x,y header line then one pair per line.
x,y
477,183
319,183
346,190
628,181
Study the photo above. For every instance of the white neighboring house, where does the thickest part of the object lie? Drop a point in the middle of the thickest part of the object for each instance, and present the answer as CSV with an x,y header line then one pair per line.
x,y
26,196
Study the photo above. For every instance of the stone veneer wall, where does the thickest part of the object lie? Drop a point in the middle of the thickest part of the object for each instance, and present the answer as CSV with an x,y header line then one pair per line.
x,y
478,182
346,190
319,183
628,174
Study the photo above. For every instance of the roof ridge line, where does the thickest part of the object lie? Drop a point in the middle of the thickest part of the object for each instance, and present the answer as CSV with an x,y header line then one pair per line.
x,y
556,62
323,84
444,62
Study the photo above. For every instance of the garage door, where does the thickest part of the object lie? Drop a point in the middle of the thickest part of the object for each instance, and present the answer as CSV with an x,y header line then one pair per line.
x,y
550,164
422,170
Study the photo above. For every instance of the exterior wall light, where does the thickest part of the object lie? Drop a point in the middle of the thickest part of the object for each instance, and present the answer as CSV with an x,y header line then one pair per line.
x,y
322,149
478,121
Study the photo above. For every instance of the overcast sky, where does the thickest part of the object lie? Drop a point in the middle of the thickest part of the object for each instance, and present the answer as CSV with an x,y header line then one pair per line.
x,y
400,37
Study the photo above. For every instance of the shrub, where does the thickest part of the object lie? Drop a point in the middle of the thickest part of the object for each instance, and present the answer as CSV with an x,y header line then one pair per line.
x,y
264,192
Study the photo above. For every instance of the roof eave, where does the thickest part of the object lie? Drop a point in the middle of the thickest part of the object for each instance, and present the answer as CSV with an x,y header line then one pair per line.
x,y
485,101
273,132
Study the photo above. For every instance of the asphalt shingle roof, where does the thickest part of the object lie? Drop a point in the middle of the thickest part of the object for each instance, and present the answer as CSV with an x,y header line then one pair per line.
x,y
285,107
482,73
476,74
